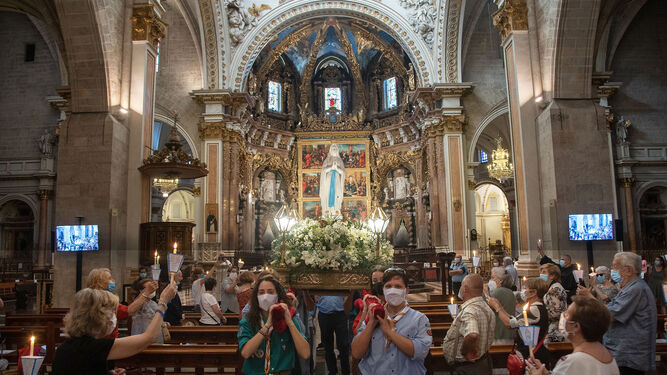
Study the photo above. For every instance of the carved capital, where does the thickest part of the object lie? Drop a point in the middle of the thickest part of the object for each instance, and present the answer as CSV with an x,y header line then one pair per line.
x,y
44,194
511,15
218,130
628,182
147,25
447,124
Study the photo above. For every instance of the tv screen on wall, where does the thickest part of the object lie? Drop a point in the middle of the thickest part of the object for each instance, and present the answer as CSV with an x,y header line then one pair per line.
x,y
77,238
591,227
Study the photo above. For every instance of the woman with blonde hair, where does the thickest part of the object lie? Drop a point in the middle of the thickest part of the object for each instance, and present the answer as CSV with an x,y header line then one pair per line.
x,y
555,300
92,317
100,278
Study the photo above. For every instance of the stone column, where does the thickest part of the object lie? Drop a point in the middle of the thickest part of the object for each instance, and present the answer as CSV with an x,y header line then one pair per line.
x,y
512,21
630,212
147,29
43,252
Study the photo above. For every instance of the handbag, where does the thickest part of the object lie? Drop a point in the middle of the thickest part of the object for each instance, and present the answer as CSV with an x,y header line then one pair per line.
x,y
515,364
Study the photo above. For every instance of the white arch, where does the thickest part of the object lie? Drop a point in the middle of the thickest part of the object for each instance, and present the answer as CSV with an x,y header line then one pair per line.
x,y
170,121
292,12
637,196
495,113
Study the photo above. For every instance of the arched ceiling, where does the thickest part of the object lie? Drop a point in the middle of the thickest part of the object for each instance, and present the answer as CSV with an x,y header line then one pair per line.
x,y
238,33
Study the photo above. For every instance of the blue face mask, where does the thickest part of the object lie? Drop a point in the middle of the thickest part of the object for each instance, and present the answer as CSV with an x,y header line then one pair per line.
x,y
657,263
203,276
601,278
544,277
562,263
616,276
142,275
111,286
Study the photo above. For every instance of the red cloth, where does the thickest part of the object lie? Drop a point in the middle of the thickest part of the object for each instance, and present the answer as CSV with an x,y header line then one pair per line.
x,y
369,300
243,298
278,318
121,314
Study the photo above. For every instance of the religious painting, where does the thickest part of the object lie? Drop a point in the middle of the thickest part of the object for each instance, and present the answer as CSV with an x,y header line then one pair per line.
x,y
211,218
353,155
355,184
312,156
312,209
310,185
356,210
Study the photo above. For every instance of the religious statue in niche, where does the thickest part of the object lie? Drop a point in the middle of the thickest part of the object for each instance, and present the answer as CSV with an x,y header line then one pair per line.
x,y
267,187
46,142
332,181
211,218
401,184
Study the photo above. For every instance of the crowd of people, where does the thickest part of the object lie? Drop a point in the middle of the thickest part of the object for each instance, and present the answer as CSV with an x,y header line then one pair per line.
x,y
610,320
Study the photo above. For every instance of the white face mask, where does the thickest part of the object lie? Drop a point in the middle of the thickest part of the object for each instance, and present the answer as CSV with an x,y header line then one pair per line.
x,y
394,296
562,326
114,321
152,295
523,295
492,286
266,301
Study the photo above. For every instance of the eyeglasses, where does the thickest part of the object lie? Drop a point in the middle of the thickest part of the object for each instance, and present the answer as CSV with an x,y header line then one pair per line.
x,y
396,269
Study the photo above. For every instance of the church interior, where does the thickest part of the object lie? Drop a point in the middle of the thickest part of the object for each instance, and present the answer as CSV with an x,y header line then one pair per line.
x,y
133,129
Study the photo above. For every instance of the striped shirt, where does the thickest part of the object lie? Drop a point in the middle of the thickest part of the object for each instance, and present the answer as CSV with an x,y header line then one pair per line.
x,y
475,316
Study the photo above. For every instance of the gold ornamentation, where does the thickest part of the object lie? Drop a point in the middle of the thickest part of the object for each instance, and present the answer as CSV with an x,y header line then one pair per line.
x,y
325,281
628,182
276,52
147,25
218,130
310,66
457,205
254,10
512,15
447,124
388,161
196,191
44,194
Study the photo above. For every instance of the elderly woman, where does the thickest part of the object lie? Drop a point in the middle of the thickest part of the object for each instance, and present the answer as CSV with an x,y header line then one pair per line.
x,y
555,300
499,288
603,287
584,323
631,337
537,314
92,317
100,278
655,279
144,316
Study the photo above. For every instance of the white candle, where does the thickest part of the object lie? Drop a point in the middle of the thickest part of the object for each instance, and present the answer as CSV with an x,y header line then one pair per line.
x,y
32,345
525,319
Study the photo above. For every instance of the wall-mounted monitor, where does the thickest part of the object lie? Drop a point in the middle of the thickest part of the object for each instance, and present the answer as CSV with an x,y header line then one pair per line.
x,y
77,238
591,227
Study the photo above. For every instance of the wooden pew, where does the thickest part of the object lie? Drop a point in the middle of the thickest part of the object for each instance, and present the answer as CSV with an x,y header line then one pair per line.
x,y
23,320
193,319
204,335
180,356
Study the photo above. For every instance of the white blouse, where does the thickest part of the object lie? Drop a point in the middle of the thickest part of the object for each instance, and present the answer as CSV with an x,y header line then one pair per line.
x,y
582,363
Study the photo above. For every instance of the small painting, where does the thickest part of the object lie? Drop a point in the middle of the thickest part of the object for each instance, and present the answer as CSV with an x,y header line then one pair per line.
x,y
310,185
356,210
355,184
353,155
211,218
312,209
312,156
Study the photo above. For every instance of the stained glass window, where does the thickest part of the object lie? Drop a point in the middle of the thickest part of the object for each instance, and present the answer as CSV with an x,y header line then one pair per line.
x,y
332,98
390,96
275,96
483,156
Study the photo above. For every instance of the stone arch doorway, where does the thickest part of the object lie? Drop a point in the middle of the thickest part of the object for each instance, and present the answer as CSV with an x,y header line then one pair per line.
x,y
653,218
179,206
492,220
17,236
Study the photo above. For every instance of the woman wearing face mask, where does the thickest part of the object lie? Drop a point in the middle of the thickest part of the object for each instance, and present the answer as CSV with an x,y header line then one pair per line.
x,y
555,300
100,278
404,338
256,331
655,279
143,317
584,323
537,314
603,288
499,288
92,317
229,301
211,315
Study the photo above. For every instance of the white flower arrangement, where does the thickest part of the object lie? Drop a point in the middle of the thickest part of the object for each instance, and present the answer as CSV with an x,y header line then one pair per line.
x,y
331,244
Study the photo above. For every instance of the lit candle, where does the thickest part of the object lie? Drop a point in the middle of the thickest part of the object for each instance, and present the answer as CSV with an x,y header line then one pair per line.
x,y
451,300
32,345
578,267
525,319
474,253
175,247
592,269
156,258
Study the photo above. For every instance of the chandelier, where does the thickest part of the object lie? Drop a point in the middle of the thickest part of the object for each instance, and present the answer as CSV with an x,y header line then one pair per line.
x,y
165,185
500,168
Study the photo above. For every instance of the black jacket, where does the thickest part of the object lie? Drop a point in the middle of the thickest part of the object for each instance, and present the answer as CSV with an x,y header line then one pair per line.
x,y
566,278
174,312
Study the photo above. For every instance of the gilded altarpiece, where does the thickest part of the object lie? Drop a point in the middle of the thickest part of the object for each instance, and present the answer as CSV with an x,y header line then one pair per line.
x,y
312,150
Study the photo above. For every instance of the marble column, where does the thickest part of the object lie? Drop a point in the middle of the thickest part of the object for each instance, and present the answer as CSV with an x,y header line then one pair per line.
x,y
43,251
147,29
630,212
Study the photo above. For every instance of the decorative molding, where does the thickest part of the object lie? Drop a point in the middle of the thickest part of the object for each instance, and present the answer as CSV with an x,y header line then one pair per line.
x,y
421,18
211,45
147,25
447,124
511,15
452,44
218,131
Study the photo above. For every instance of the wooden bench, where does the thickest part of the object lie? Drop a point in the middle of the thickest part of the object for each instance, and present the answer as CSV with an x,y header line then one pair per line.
x,y
179,356
192,319
23,320
204,335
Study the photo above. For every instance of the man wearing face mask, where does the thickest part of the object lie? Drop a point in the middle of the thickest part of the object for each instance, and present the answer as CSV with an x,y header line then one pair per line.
x,y
458,270
143,273
229,302
467,343
404,338
631,337
499,288
566,276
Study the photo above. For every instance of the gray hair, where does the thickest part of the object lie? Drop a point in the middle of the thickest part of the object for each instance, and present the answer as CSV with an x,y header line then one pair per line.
x,y
602,269
629,259
507,261
506,280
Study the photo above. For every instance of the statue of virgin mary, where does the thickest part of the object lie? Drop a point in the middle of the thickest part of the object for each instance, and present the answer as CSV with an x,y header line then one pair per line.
x,y
332,180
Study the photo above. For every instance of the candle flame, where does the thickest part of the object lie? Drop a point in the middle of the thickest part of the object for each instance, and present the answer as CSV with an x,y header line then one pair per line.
x,y
451,300
592,269
474,253
155,252
32,339
524,278
525,307
578,267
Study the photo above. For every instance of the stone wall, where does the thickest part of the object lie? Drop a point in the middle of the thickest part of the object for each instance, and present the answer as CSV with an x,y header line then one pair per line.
x,y
24,111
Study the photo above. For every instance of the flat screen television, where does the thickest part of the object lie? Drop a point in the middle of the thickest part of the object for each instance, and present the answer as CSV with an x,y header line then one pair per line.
x,y
591,227
77,238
